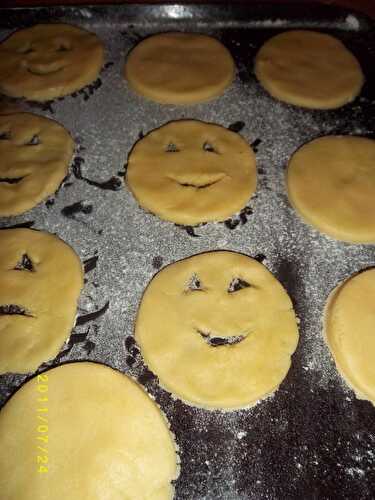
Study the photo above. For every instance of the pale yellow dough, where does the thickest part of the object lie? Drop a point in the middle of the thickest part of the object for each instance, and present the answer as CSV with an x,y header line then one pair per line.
x,y
48,61
331,183
47,291
189,172
177,323
35,156
309,69
349,332
180,68
107,440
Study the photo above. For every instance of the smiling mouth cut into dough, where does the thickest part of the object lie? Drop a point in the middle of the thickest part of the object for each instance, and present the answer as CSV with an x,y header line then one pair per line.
x,y
39,72
215,340
204,182
14,310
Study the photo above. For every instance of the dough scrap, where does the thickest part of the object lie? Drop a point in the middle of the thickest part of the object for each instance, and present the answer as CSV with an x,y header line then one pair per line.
x,y
349,332
309,69
35,156
179,68
331,184
190,172
41,278
48,61
208,299
107,439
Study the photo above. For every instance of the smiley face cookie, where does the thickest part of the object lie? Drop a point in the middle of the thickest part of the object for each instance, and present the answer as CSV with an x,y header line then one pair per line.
x,y
190,172
179,68
48,61
40,281
217,329
101,437
35,156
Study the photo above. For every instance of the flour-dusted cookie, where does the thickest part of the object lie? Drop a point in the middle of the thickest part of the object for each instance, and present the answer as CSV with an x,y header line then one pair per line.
x,y
180,68
40,281
85,431
217,329
349,326
48,61
309,69
190,172
331,184
35,156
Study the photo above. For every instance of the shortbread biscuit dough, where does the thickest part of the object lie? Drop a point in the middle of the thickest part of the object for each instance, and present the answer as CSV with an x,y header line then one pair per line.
x,y
331,184
40,281
35,156
48,61
180,68
309,69
349,332
189,172
106,439
217,329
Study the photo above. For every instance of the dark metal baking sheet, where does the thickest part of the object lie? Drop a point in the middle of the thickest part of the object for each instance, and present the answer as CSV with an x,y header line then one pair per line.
x,y
313,439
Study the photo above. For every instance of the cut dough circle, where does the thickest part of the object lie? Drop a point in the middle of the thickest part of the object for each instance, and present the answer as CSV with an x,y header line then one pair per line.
x,y
309,69
41,278
331,184
190,172
35,156
349,332
179,68
48,61
217,329
107,439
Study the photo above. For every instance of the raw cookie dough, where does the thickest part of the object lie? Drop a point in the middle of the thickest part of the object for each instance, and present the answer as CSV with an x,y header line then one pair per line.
x,y
190,172
331,183
349,332
40,281
309,69
35,156
179,68
217,329
106,439
48,61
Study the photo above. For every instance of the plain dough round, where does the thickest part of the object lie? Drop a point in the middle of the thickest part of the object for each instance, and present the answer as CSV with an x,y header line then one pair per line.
x,y
180,68
309,69
107,440
48,61
349,332
47,292
36,152
331,184
175,322
190,172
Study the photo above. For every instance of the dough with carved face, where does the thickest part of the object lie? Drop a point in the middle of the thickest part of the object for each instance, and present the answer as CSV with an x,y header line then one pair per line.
x,y
48,61
101,438
217,329
331,184
190,172
180,68
309,69
349,332
40,281
35,156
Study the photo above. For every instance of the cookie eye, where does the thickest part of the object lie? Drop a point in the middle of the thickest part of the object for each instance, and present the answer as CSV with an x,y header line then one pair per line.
x,y
25,264
209,148
238,284
4,136
195,284
34,141
172,148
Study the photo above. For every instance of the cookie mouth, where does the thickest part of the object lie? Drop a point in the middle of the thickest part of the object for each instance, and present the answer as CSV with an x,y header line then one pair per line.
x,y
198,182
11,180
14,310
44,71
215,340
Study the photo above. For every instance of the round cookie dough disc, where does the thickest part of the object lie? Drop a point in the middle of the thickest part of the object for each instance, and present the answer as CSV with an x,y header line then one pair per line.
x,y
48,61
309,69
349,332
190,172
179,68
331,183
193,306
40,281
35,156
106,439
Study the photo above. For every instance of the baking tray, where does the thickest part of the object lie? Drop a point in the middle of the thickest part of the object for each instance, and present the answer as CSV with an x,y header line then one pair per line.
x,y
313,439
